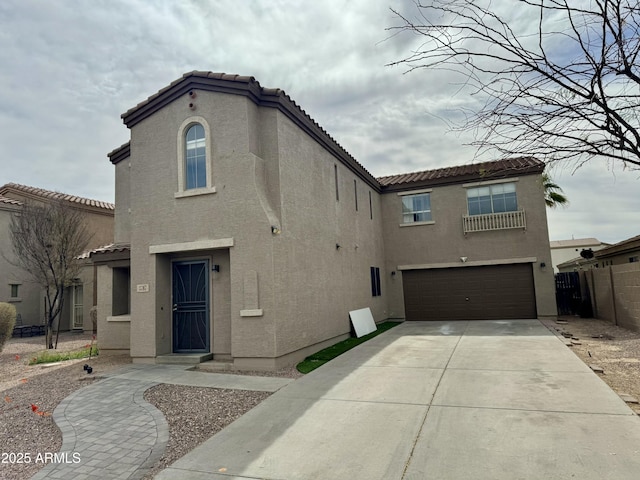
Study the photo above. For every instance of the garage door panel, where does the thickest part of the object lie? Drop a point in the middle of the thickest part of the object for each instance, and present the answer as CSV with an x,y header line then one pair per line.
x,y
470,293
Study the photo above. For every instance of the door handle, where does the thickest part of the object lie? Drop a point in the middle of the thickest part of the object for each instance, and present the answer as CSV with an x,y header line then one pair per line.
x,y
175,308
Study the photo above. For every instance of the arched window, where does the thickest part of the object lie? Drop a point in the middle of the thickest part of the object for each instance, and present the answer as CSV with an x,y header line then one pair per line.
x,y
195,167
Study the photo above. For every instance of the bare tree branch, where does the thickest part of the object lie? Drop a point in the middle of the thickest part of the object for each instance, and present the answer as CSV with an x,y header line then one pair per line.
x,y
566,89
47,241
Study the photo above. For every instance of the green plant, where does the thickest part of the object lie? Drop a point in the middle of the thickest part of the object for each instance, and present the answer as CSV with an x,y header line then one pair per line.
x,y
323,356
50,357
7,322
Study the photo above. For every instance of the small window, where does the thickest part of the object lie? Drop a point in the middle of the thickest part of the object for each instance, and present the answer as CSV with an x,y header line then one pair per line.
x,y
492,199
335,177
355,192
634,259
416,208
370,207
15,290
121,288
376,290
195,158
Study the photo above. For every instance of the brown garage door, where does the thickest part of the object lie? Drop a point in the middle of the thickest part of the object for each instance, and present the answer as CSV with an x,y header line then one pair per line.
x,y
470,293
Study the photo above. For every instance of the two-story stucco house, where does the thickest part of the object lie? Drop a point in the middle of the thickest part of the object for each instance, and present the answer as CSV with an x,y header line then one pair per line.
x,y
17,286
244,231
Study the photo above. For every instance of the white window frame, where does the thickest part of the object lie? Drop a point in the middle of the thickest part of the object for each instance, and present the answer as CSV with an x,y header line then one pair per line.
x,y
182,191
490,186
414,193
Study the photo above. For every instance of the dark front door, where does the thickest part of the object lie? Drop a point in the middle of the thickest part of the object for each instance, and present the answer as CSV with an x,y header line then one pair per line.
x,y
191,307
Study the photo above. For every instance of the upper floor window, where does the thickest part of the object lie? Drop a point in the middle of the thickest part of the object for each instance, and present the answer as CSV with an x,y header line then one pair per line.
x,y
497,198
195,158
416,208
15,290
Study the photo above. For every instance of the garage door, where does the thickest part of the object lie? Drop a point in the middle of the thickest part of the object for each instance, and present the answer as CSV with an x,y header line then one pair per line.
x,y
470,293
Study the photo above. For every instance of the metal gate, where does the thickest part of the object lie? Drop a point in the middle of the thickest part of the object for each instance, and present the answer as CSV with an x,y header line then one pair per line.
x,y
568,293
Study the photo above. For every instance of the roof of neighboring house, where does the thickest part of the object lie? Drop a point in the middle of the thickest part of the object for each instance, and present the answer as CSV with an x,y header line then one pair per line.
x,y
120,250
41,193
248,87
577,262
629,245
505,168
577,242
9,201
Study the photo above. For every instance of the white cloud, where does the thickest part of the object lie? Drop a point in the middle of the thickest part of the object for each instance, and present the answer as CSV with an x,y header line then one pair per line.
x,y
69,69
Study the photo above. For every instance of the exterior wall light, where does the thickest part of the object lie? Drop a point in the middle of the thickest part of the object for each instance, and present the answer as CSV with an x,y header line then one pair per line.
x,y
275,230
215,268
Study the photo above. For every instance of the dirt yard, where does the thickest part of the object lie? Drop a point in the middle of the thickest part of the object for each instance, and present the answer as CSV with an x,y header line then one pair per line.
x,y
613,349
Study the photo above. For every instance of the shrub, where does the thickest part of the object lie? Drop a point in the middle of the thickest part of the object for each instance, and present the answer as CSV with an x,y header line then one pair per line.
x,y
7,322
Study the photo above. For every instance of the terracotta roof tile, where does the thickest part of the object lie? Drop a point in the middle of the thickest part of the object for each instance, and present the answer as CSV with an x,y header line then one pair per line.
x,y
110,248
251,88
9,201
42,193
469,172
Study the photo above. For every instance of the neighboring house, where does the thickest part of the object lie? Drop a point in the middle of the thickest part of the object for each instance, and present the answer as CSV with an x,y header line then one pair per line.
x,y
626,251
245,232
563,251
16,285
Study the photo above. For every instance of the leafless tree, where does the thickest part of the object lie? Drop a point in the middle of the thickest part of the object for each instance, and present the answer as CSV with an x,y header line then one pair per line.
x,y
559,79
47,240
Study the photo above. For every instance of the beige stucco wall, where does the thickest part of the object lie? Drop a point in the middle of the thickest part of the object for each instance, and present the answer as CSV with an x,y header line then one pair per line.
x,y
275,294
317,284
444,242
234,212
113,332
122,226
28,303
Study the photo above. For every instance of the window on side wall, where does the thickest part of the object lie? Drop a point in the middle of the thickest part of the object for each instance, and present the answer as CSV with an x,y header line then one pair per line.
x,y
15,290
416,208
376,289
195,167
489,199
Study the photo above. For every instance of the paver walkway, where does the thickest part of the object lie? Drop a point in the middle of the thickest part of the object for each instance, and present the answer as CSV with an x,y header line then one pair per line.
x,y
110,432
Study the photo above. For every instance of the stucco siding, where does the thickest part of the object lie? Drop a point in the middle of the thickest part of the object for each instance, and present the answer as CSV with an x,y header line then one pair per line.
x,y
317,282
444,241
122,225
235,211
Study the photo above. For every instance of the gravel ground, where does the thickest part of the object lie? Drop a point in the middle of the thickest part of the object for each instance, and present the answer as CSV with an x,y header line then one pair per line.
x,y
194,414
23,430
614,349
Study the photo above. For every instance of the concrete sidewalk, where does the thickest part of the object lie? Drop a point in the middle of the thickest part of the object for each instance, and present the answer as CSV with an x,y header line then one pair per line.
x,y
460,400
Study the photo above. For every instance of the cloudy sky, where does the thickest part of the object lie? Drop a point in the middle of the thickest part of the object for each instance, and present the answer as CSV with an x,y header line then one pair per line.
x,y
68,69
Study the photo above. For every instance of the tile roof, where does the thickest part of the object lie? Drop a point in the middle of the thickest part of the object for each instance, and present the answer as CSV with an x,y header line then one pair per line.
x,y
42,193
474,171
111,248
245,86
9,201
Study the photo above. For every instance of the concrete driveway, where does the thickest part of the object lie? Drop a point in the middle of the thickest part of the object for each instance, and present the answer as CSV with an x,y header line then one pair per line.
x,y
456,400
